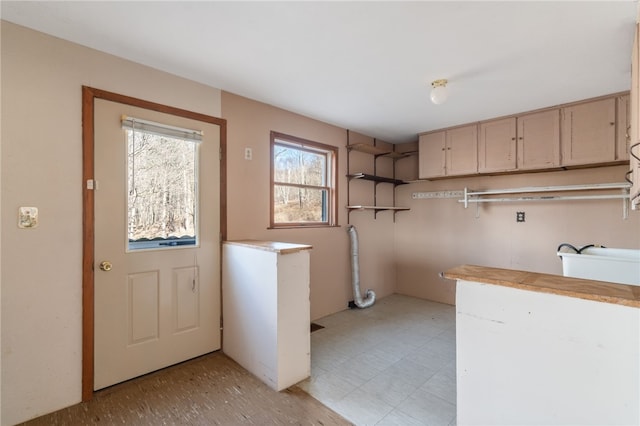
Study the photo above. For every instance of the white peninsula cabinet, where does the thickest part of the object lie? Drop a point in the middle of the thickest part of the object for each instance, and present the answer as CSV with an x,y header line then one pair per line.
x,y
544,349
266,309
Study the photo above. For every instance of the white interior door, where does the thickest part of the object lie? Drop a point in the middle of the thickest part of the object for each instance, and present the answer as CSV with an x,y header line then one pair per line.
x,y
159,305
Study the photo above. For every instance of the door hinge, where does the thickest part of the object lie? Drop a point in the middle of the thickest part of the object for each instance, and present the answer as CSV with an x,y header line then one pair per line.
x,y
221,327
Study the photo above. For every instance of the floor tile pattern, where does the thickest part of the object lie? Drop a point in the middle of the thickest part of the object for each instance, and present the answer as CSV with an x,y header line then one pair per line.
x,y
390,364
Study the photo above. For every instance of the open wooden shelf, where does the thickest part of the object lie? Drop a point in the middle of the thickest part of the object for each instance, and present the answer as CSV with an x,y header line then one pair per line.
x,y
377,208
377,179
376,152
379,152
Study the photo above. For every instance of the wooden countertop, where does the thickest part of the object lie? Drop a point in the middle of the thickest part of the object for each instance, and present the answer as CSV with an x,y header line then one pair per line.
x,y
273,246
600,291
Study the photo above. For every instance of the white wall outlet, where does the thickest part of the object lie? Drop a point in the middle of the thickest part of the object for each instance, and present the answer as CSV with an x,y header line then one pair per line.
x,y
248,154
27,217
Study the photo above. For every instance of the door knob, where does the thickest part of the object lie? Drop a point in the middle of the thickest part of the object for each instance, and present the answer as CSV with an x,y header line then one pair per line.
x,y
105,266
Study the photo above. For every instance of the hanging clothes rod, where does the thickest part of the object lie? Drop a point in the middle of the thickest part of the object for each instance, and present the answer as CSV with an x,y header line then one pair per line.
x,y
530,189
624,195
547,198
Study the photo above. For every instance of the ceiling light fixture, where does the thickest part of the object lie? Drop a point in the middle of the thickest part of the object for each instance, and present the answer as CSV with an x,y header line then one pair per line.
x,y
439,92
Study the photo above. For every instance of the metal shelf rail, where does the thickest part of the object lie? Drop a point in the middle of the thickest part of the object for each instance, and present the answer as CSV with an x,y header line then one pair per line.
x,y
470,196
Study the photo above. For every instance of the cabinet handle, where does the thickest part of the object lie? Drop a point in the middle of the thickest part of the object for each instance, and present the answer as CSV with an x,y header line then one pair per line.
x,y
513,139
612,123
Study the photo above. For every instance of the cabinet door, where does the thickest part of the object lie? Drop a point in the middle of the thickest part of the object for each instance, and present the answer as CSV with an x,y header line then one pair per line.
x,y
634,110
589,133
622,127
431,155
497,146
462,150
539,140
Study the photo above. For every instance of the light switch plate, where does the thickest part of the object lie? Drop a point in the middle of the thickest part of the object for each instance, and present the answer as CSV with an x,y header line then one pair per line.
x,y
27,217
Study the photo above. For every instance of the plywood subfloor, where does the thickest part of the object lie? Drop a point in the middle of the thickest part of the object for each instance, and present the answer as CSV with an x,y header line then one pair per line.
x,y
209,390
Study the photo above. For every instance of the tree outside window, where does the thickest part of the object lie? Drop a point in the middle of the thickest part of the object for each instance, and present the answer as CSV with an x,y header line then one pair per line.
x,y
303,182
162,191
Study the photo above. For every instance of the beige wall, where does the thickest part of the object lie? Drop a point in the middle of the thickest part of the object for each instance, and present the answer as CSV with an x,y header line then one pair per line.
x,y
438,234
42,167
249,126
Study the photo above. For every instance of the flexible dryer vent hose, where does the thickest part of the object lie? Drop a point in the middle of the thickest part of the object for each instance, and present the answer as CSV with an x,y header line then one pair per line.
x,y
355,273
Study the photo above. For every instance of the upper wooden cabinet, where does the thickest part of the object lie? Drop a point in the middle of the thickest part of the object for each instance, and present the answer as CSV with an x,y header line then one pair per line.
x,y
623,126
589,133
462,150
634,123
539,140
527,142
452,152
497,146
431,155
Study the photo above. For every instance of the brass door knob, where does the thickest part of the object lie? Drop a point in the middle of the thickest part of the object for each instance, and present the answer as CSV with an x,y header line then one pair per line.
x,y
105,266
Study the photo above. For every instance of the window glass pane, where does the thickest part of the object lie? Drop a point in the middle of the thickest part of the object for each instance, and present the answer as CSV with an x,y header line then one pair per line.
x,y
293,165
294,204
302,191
162,191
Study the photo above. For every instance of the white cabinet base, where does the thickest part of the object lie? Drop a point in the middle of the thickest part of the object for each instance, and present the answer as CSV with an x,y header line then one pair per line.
x,y
266,310
525,357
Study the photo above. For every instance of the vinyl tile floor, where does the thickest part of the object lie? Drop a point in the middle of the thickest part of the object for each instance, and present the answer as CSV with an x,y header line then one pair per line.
x,y
393,363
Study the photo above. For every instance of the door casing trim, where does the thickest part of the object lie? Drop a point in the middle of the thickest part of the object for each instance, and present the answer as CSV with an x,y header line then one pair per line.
x,y
89,95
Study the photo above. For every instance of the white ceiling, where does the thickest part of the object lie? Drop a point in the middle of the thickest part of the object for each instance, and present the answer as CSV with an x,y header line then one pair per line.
x,y
366,66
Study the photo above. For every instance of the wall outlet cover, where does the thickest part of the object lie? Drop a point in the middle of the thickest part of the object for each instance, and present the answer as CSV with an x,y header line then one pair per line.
x,y
27,217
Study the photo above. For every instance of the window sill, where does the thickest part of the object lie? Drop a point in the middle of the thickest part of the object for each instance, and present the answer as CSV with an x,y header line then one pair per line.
x,y
303,226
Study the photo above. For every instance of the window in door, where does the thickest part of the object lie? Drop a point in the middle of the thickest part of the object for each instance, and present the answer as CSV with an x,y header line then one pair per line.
x,y
303,190
162,200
